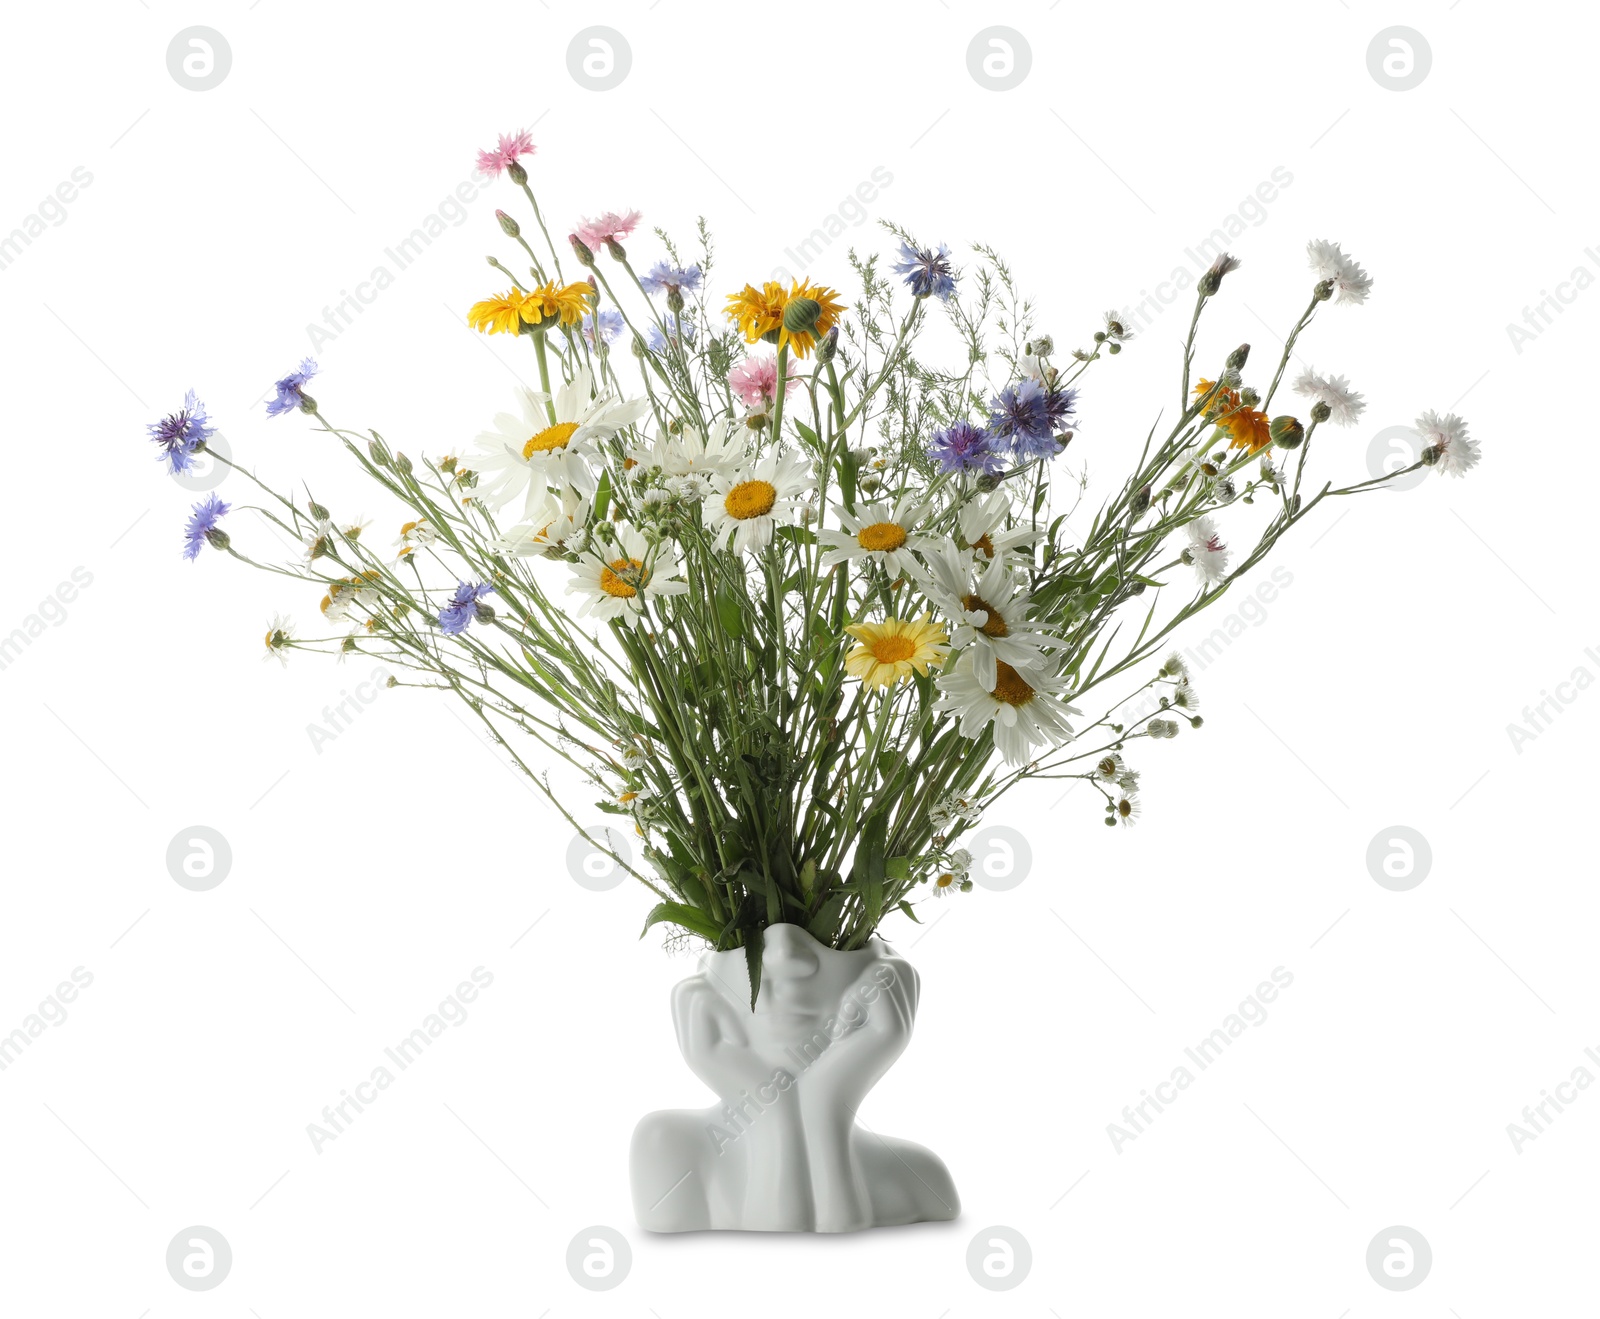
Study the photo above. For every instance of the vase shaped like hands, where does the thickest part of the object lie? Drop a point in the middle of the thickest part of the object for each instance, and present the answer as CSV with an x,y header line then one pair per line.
x,y
784,1152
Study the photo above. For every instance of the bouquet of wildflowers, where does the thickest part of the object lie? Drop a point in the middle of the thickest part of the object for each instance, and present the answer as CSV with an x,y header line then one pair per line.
x,y
798,597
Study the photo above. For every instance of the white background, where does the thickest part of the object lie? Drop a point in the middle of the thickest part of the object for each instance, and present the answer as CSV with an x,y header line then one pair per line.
x,y
371,875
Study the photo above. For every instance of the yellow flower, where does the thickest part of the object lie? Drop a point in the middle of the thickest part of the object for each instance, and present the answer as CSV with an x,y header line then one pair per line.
x,y
889,651
500,315
759,314
507,313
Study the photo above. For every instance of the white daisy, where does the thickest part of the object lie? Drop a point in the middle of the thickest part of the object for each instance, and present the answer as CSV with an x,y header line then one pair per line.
x,y
348,595
879,533
1023,708
691,488
990,617
1447,436
280,636
530,452
1345,406
551,528
1328,261
616,578
1206,552
704,455
414,535
747,503
982,521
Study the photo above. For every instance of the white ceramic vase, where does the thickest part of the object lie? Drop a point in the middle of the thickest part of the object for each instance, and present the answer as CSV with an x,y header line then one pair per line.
x,y
782,1151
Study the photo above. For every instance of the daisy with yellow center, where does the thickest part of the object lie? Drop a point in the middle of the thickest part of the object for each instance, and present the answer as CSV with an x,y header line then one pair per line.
x,y
350,593
1023,707
413,536
279,638
747,504
884,534
508,312
795,318
527,453
550,529
615,579
982,523
891,651
989,616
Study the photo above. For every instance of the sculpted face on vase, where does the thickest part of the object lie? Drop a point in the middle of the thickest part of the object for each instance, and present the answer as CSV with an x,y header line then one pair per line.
x,y
782,1151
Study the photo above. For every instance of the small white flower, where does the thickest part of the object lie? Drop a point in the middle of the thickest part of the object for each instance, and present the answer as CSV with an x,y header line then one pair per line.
x,y
1184,696
747,504
1447,436
616,585
1025,709
691,487
1206,552
552,528
414,535
1328,261
1345,406
280,633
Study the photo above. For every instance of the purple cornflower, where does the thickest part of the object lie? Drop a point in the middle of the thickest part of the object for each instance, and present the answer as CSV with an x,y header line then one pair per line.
x,y
664,278
181,433
677,329
463,607
927,272
202,526
1059,405
291,389
964,447
1026,416
610,327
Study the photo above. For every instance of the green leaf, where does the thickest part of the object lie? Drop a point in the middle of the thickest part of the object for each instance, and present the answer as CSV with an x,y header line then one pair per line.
x,y
730,614
898,868
825,924
871,864
602,498
690,918
808,879
906,907
752,963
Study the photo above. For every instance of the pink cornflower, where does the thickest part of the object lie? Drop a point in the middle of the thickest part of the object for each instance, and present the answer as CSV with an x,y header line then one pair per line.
x,y
607,228
511,146
755,381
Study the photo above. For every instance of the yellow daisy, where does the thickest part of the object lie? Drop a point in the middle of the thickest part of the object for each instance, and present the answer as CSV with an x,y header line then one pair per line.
x,y
501,315
889,651
511,310
765,315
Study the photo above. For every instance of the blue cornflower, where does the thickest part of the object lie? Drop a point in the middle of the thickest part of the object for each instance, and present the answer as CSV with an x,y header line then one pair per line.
x,y
463,607
664,278
610,327
927,272
181,433
202,526
964,447
1059,405
1021,417
291,389
677,328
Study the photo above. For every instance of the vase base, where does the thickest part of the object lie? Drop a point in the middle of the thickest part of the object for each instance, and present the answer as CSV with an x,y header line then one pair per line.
x,y
685,1182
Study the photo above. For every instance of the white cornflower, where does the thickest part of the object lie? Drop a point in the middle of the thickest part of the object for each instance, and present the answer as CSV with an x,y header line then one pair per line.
x,y
1329,262
1023,709
279,637
1206,552
981,522
615,586
691,487
990,618
880,533
748,503
530,452
1447,437
1345,406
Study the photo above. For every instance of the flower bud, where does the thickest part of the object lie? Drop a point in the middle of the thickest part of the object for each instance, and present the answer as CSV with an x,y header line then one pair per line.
x,y
581,251
484,612
1043,346
801,315
1238,357
1141,500
1113,348
511,227
1287,432
674,299
1248,397
402,464
317,511
1323,291
1320,412
377,452
1211,281
988,482
828,346
392,681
